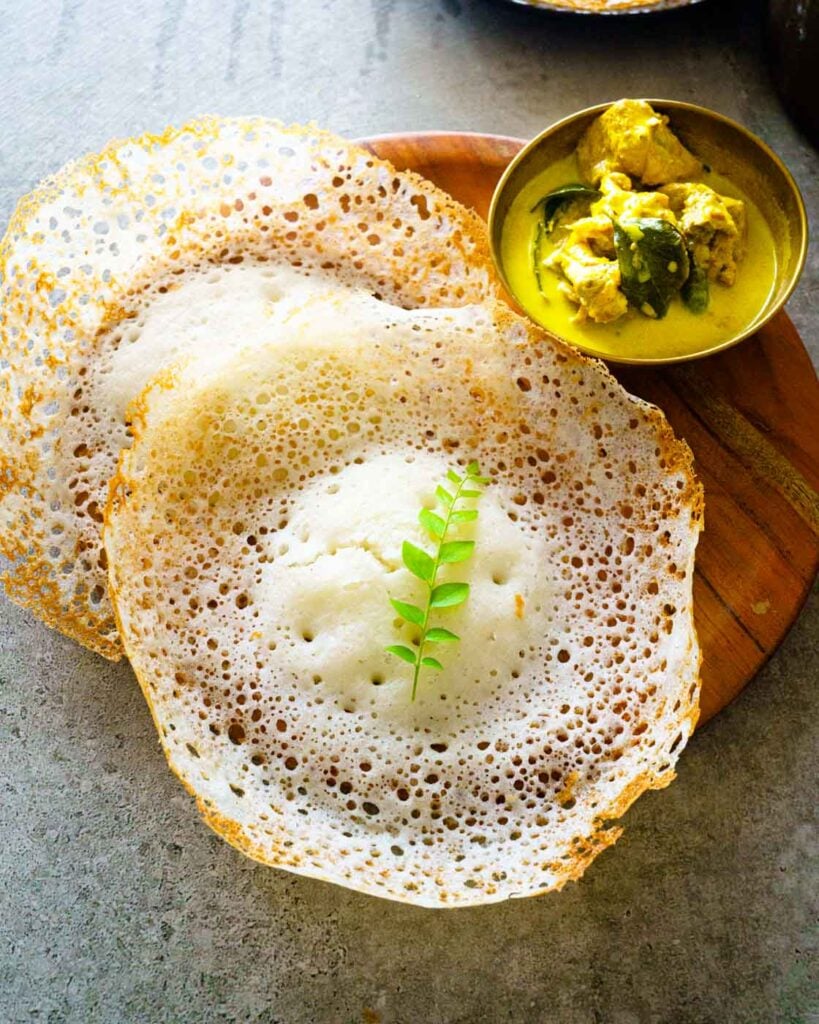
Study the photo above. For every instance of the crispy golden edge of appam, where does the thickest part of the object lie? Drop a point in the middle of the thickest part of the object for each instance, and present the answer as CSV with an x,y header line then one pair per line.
x,y
678,458
30,580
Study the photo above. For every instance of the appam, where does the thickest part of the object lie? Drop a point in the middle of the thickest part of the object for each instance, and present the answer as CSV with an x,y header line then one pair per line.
x,y
254,536
192,241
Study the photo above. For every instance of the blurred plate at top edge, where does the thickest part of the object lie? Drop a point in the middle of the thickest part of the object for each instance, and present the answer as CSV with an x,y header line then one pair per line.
x,y
607,7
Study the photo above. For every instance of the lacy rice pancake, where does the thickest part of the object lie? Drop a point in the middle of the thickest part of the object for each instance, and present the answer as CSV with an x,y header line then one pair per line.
x,y
186,244
258,539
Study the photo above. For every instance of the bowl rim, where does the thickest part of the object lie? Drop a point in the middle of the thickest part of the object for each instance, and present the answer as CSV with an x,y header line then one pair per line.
x,y
598,108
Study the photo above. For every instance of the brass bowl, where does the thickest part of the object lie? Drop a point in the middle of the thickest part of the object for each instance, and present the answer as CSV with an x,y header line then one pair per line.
x,y
729,149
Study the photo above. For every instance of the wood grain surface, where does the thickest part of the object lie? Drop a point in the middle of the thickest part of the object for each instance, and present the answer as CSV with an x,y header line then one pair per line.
x,y
751,417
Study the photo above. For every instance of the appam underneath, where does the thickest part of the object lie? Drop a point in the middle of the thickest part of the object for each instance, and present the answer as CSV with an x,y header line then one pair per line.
x,y
254,538
160,247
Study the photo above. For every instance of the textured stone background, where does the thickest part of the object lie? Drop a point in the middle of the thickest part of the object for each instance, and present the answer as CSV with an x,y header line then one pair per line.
x,y
116,905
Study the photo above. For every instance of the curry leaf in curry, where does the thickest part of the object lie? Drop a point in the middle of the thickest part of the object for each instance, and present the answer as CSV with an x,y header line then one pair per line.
x,y
424,566
558,198
653,263
537,254
695,291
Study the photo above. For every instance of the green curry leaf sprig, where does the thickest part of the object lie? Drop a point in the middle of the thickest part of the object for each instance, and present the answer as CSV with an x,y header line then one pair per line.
x,y
425,566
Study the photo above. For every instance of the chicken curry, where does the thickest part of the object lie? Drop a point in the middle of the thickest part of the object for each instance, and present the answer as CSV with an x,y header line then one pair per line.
x,y
633,248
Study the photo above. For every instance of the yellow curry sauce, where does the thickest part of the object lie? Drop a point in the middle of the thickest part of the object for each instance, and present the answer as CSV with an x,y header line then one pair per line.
x,y
635,336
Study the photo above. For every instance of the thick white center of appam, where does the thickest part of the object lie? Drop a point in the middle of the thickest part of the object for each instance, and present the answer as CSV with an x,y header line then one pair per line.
x,y
324,593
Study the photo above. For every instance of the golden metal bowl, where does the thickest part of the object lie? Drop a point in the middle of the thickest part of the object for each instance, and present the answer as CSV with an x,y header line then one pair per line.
x,y
729,149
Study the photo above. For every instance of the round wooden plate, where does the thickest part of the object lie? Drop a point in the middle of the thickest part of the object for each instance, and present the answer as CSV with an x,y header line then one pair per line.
x,y
751,417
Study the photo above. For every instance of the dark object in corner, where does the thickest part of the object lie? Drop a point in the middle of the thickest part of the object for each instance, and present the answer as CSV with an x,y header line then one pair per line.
x,y
793,47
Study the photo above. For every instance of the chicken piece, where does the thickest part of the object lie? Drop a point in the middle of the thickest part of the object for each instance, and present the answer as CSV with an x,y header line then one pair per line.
x,y
714,227
588,262
633,139
618,201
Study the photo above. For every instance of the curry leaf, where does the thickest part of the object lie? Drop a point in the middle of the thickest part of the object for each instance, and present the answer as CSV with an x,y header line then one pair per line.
x,y
653,263
443,495
418,562
404,653
411,612
432,523
695,291
448,595
554,202
456,550
467,515
439,635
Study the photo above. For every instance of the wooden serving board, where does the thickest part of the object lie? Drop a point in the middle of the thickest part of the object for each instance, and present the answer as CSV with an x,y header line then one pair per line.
x,y
751,417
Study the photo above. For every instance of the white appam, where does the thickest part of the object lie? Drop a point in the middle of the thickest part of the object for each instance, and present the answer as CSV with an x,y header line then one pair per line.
x,y
253,538
128,258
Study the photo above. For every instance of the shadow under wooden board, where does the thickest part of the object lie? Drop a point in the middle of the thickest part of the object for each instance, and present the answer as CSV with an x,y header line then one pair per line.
x,y
751,417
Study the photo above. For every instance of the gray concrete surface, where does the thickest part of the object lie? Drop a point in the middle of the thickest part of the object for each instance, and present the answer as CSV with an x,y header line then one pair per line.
x,y
116,905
